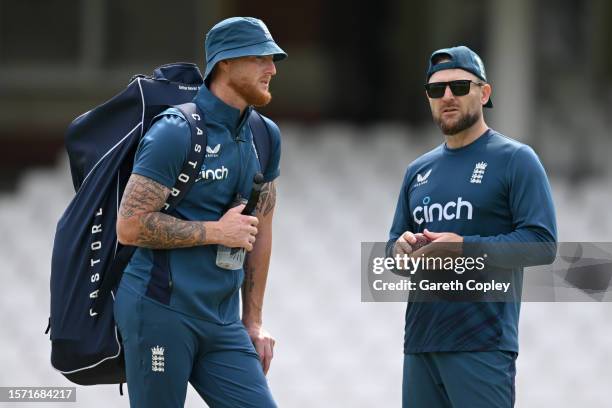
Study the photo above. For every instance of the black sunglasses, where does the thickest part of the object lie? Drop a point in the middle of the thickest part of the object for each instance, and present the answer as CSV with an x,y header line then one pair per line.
x,y
459,87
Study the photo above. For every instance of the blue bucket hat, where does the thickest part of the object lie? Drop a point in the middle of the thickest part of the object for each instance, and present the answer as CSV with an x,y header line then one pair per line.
x,y
460,57
239,37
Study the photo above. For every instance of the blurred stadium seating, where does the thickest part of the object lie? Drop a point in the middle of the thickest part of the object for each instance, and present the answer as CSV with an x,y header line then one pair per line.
x,y
333,351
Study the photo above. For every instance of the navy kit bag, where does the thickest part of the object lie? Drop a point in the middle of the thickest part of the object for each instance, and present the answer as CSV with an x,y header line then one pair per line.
x,y
87,260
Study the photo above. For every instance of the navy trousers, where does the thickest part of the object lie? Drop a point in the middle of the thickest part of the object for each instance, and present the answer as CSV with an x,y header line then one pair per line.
x,y
165,350
475,379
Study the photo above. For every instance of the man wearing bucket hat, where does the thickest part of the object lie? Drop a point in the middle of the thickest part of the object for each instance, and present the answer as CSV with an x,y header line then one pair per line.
x,y
194,332
482,195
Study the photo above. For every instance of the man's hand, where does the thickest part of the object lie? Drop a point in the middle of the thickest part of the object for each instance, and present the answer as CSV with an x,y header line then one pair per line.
x,y
443,236
264,345
443,244
409,242
237,230
404,243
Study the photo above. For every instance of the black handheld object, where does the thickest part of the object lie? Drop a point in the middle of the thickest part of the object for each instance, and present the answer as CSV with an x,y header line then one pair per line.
x,y
258,182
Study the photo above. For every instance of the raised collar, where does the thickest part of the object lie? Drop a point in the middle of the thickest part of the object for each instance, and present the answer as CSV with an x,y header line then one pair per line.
x,y
221,112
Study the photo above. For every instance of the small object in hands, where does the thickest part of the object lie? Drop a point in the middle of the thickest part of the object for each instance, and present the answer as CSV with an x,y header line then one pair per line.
x,y
254,197
233,258
421,241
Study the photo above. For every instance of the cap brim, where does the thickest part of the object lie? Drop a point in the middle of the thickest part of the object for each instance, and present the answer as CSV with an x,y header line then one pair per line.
x,y
260,49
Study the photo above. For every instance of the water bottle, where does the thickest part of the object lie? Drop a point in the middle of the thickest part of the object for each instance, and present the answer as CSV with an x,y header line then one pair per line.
x,y
233,258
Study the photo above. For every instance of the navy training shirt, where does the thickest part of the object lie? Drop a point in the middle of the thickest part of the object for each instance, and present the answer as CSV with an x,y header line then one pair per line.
x,y
494,192
199,287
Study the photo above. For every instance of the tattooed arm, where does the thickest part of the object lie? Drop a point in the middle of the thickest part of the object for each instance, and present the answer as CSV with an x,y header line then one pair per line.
x,y
139,222
255,276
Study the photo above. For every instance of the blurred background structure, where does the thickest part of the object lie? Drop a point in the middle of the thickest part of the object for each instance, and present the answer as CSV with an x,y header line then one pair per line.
x,y
352,110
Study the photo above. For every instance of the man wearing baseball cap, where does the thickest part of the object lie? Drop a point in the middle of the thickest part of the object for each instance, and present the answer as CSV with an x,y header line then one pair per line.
x,y
191,330
482,195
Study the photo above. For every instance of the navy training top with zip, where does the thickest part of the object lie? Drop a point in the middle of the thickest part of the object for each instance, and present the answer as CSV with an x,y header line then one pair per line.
x,y
199,287
494,192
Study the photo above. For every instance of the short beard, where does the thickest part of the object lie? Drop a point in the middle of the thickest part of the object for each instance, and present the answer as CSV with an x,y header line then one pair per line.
x,y
251,94
466,121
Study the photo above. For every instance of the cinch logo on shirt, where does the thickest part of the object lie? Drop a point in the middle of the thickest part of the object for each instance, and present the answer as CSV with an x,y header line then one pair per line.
x,y
453,210
217,174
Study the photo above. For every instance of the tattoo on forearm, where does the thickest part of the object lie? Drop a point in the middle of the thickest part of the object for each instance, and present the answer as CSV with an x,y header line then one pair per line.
x,y
162,231
250,301
143,198
249,279
267,198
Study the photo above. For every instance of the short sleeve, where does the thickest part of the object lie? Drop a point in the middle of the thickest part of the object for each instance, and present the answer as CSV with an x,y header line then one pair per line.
x,y
272,171
163,150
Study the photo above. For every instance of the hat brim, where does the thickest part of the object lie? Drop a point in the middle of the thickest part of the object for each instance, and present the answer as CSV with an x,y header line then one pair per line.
x,y
260,49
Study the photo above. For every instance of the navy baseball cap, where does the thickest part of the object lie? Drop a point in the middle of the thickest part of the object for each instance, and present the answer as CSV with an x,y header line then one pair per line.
x,y
459,57
239,37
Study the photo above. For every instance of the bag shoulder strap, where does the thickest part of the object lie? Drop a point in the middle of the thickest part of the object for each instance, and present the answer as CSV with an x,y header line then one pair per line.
x,y
191,167
261,138
189,172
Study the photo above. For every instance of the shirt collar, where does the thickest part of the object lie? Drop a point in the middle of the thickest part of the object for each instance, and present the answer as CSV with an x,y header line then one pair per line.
x,y
481,139
221,112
